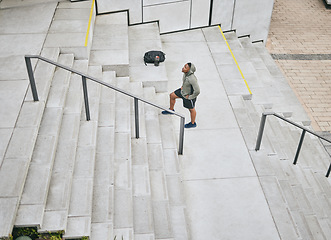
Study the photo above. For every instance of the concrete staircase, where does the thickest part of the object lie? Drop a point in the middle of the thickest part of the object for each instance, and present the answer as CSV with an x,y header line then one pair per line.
x,y
95,179
297,194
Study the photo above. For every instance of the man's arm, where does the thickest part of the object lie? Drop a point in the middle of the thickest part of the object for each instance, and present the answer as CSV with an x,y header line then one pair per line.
x,y
196,89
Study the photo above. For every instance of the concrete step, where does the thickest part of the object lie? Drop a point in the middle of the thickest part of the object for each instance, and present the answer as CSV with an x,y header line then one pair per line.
x,y
153,133
110,47
123,195
36,188
282,96
55,214
173,180
278,207
80,205
166,185
143,222
122,108
103,185
270,79
144,38
158,185
227,67
69,26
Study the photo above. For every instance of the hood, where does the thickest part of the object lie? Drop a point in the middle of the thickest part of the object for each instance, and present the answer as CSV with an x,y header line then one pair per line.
x,y
192,69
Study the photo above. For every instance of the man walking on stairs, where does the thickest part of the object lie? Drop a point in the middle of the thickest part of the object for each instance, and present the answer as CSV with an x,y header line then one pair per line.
x,y
188,92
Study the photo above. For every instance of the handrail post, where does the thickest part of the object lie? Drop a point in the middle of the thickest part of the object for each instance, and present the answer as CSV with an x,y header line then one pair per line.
x,y
329,170
136,116
87,109
31,79
260,134
181,136
299,147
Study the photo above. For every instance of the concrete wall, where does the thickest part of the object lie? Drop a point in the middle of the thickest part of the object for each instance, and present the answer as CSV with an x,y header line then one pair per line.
x,y
246,17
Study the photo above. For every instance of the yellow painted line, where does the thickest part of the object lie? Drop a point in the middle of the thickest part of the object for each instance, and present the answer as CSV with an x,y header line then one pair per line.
x,y
89,24
249,90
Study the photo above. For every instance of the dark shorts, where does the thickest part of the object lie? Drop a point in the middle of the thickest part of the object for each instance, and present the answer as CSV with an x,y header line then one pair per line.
x,y
186,102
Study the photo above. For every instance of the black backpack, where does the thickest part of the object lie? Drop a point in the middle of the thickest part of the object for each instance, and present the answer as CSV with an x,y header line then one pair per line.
x,y
150,56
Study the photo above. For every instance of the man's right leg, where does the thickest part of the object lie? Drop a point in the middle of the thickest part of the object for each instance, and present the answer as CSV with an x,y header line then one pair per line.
x,y
173,97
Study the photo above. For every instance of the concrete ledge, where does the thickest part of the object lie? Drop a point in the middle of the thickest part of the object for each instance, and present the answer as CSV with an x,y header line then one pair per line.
x,y
78,227
29,215
8,206
122,70
54,221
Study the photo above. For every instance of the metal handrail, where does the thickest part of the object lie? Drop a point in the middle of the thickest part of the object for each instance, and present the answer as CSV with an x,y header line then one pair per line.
x,y
304,130
84,77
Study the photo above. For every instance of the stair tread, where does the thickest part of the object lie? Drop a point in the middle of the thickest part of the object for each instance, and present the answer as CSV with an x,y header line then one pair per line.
x,y
60,82
143,215
150,75
101,231
103,184
162,219
79,208
70,162
110,47
7,207
279,208
78,227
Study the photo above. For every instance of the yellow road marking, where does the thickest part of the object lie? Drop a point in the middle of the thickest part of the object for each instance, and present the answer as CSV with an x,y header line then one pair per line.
x,y
89,24
235,60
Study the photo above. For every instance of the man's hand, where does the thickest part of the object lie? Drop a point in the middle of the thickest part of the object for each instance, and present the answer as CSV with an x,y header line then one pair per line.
x,y
186,96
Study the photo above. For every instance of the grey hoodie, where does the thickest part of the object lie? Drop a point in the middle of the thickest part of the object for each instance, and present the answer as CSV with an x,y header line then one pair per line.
x,y
189,79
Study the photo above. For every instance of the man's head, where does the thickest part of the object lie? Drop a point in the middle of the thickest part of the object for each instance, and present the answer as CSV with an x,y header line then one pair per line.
x,y
186,67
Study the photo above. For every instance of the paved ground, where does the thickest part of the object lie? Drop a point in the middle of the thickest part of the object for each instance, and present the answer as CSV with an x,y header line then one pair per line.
x,y
300,41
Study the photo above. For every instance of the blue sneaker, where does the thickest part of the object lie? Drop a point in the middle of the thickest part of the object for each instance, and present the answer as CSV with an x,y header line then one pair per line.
x,y
190,125
166,112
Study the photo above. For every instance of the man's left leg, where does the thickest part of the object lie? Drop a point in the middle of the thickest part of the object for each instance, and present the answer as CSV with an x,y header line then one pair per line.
x,y
193,114
192,124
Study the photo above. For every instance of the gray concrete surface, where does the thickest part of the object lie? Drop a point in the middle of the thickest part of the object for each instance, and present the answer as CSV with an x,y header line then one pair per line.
x,y
219,188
